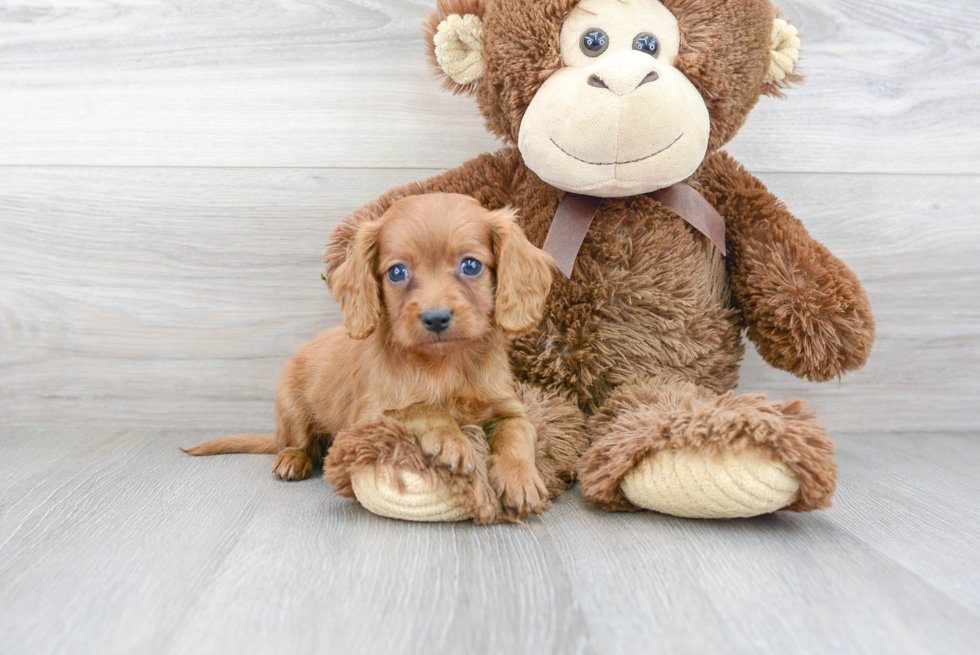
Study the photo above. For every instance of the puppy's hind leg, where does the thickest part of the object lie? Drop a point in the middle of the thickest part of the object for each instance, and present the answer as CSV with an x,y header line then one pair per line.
x,y
296,462
292,464
299,446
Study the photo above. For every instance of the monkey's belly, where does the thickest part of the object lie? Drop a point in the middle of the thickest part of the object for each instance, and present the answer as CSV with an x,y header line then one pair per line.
x,y
635,320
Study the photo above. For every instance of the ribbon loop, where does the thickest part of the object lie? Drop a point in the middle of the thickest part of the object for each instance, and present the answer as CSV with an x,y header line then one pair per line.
x,y
576,211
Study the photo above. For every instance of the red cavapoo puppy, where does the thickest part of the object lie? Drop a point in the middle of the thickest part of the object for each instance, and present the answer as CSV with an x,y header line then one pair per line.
x,y
432,293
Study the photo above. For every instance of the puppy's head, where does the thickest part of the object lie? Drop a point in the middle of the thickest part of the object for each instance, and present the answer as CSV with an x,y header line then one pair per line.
x,y
440,270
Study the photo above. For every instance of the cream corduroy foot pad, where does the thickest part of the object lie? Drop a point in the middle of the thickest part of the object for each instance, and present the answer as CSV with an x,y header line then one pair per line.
x,y
725,486
375,489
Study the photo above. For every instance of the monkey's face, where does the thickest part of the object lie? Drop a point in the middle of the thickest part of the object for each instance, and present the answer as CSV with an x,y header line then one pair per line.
x,y
618,119
613,97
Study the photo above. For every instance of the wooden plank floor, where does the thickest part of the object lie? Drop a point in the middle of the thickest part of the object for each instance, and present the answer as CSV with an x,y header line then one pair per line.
x,y
116,542
169,173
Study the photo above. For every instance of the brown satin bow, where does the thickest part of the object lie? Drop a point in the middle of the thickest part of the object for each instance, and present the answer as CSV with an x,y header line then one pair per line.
x,y
575,213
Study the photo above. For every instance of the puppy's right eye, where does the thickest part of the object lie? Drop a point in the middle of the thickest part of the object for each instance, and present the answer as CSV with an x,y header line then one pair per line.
x,y
470,267
397,273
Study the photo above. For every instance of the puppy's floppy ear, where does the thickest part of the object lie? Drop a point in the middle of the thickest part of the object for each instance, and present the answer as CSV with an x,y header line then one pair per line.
x,y
355,283
524,275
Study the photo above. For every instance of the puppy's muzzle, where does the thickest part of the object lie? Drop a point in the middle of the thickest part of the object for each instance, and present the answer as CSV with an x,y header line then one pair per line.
x,y
436,320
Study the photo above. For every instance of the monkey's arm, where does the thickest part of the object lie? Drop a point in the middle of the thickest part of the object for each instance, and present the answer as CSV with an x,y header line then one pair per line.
x,y
486,178
805,310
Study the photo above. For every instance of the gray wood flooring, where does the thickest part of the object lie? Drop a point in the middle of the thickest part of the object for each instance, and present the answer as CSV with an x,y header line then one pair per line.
x,y
116,542
169,173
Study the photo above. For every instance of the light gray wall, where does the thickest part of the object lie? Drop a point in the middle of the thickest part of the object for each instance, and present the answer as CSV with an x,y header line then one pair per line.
x,y
170,171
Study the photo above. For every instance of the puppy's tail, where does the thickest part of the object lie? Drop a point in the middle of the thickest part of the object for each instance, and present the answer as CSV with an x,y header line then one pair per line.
x,y
257,444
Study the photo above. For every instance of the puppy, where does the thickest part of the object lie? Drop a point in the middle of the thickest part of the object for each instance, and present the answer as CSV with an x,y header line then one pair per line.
x,y
432,292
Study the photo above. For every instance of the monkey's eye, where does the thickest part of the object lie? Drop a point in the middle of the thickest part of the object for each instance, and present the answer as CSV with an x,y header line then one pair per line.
x,y
645,42
470,267
594,42
398,273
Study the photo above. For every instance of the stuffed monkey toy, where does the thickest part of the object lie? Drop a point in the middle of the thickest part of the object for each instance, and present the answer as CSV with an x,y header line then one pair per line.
x,y
613,114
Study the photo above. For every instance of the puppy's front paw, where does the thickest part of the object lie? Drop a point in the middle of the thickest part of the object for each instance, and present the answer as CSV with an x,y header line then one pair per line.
x,y
292,464
520,487
449,447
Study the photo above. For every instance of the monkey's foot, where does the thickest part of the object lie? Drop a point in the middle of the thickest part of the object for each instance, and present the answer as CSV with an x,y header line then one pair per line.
x,y
702,456
721,486
384,467
416,499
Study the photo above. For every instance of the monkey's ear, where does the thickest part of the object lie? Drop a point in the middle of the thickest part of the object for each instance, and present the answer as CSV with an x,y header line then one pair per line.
x,y
454,38
524,275
784,53
355,283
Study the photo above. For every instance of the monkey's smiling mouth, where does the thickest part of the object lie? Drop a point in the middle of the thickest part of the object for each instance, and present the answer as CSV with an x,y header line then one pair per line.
x,y
613,163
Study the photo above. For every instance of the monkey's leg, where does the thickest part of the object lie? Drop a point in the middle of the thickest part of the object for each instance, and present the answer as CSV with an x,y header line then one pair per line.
x,y
679,449
382,464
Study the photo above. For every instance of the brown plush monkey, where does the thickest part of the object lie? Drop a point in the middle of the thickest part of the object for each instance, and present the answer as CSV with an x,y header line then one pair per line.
x,y
620,107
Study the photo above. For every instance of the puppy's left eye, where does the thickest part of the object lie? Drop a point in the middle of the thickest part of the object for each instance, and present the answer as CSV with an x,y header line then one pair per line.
x,y
470,267
397,273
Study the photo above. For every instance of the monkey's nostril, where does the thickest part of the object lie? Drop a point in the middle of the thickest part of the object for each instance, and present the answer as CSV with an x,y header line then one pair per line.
x,y
650,77
595,81
436,320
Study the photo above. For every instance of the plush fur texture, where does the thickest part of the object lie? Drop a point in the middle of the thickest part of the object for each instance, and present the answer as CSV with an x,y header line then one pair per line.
x,y
642,419
805,309
384,442
646,335
724,53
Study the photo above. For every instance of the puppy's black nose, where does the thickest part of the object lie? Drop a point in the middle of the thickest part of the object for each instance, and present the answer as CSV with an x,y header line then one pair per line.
x,y
437,320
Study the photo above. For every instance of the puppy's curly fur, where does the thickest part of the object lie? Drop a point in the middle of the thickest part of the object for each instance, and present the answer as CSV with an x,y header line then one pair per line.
x,y
437,253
